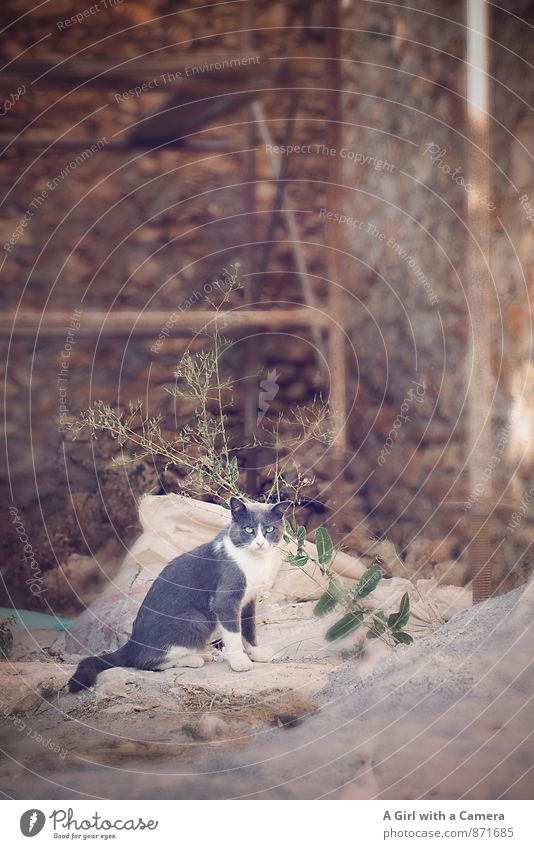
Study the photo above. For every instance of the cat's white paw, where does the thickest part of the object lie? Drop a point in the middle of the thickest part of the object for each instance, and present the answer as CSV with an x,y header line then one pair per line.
x,y
260,654
195,661
240,662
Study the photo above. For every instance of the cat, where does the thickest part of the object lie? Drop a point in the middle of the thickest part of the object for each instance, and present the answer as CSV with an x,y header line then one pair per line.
x,y
215,584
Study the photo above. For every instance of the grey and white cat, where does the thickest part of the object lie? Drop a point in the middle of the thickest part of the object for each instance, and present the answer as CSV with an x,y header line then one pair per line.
x,y
215,584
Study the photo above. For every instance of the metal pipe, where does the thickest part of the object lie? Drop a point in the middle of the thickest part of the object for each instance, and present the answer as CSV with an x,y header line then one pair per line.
x,y
134,323
289,215
54,145
337,496
250,413
479,437
173,71
337,352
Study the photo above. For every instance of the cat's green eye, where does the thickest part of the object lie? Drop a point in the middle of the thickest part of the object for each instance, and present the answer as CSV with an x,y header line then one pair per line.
x,y
249,530
269,529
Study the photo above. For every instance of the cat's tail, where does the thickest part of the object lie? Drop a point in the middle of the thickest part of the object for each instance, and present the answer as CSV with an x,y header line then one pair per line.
x,y
88,669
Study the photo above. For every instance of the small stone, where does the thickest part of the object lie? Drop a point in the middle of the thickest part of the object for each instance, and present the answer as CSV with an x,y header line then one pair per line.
x,y
113,683
452,572
211,727
26,685
122,708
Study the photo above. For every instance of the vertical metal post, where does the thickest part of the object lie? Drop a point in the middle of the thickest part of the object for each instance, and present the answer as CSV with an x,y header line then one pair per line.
x,y
479,438
291,221
337,352
251,293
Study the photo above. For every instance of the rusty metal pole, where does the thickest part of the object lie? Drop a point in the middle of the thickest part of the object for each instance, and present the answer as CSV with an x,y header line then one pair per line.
x,y
29,323
251,292
337,351
479,437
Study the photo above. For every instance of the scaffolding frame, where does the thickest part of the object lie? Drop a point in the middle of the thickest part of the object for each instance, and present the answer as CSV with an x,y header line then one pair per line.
x,y
319,323
132,323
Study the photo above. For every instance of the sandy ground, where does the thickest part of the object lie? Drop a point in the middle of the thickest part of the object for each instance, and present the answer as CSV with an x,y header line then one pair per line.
x,y
448,717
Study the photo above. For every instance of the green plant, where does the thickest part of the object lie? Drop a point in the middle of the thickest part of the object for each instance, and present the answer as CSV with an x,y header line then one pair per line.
x,y
357,614
6,636
201,449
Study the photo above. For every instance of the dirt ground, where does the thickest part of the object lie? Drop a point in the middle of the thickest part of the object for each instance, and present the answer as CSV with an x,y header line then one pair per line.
x,y
131,716
448,717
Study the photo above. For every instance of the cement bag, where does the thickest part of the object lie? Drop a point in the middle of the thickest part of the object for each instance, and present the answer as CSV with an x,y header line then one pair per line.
x,y
173,524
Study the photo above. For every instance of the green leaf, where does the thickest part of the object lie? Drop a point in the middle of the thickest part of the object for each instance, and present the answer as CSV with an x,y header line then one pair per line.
x,y
335,592
378,627
325,546
234,469
345,626
301,535
368,581
298,559
397,621
290,530
404,611
325,604
402,637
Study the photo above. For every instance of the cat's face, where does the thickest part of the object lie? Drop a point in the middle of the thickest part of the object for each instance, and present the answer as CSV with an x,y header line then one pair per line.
x,y
257,527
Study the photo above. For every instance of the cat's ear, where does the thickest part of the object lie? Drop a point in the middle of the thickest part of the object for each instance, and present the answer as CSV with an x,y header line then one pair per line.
x,y
237,507
279,509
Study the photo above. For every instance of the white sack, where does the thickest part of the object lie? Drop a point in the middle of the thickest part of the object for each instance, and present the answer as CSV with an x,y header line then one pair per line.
x,y
173,524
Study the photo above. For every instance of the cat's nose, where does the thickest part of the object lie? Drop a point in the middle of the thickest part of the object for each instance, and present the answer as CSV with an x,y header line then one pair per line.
x,y
259,544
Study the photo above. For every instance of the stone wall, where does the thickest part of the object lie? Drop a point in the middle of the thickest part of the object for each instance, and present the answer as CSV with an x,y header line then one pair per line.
x,y
404,159
125,230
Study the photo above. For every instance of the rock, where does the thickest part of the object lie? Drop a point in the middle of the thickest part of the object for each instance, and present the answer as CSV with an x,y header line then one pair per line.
x,y
6,639
211,727
24,686
272,15
422,553
359,541
82,576
37,644
116,683
520,162
452,572
112,710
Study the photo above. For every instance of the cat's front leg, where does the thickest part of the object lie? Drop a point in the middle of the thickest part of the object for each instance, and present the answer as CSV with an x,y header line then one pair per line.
x,y
237,658
259,654
227,605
